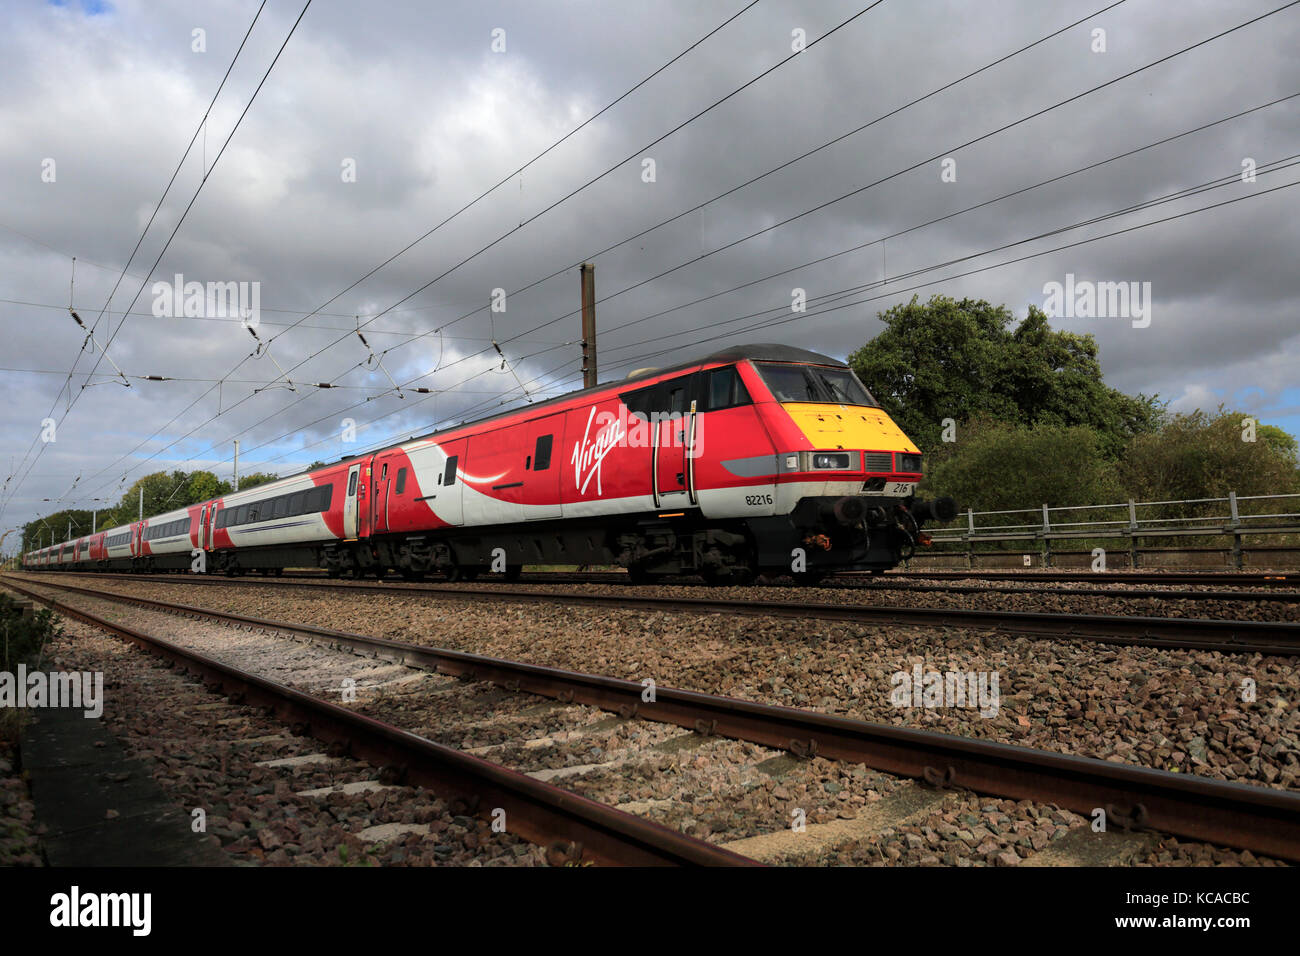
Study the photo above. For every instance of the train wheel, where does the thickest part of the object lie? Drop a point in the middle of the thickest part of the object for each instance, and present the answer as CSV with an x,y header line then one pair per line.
x,y
512,572
334,572
380,571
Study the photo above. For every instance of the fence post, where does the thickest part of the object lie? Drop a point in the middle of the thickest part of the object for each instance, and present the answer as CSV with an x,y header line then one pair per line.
x,y
1132,534
1235,523
970,534
1047,547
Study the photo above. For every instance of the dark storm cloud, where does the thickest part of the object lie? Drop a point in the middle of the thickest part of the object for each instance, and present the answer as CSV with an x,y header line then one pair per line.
x,y
412,93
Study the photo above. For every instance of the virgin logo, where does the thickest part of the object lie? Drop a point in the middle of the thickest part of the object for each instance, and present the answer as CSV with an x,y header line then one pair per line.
x,y
590,452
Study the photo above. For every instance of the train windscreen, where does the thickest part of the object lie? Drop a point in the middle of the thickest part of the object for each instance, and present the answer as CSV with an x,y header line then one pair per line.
x,y
814,383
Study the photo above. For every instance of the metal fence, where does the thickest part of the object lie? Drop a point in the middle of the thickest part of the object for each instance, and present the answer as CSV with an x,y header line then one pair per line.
x,y
1132,521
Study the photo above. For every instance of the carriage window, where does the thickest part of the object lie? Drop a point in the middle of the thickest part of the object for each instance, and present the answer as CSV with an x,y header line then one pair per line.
x,y
449,476
281,507
352,484
401,480
296,503
384,473
542,453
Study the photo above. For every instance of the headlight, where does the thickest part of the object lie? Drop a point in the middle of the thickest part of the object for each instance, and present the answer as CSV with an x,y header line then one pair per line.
x,y
841,460
908,463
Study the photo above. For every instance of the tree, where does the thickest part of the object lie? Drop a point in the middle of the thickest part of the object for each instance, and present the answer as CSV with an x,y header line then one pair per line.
x,y
1000,466
1199,455
204,486
961,360
255,478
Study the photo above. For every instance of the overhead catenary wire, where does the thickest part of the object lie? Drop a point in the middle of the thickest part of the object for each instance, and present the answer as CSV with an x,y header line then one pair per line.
x,y
201,124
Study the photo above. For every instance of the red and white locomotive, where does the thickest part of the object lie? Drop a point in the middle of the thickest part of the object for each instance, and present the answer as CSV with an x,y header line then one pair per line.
x,y
756,459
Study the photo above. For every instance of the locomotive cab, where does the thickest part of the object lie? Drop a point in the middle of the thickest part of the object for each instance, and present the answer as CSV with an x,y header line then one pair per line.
x,y
846,474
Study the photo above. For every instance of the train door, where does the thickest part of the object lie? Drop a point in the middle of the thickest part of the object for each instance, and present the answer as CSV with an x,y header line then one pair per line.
x,y
542,467
671,435
379,501
494,477
350,503
367,491
447,494
137,536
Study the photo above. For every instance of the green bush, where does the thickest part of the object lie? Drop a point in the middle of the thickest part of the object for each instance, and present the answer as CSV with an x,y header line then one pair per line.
x,y
998,467
23,639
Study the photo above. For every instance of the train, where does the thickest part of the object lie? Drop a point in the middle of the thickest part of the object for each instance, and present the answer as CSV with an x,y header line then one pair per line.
x,y
755,460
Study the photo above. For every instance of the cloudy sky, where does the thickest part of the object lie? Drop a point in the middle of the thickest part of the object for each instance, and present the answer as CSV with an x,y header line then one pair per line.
x,y
381,120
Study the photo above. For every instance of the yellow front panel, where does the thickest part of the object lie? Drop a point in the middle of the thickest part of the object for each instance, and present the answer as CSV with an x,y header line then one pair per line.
x,y
848,426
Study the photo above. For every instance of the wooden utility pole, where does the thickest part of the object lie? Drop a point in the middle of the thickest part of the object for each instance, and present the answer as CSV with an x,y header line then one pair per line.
x,y
588,324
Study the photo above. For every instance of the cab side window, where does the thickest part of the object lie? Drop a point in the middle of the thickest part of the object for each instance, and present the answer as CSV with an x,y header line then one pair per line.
x,y
725,389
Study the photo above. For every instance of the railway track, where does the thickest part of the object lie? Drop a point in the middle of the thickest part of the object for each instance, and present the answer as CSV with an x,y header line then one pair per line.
x,y
1225,636
1259,819
1212,590
578,829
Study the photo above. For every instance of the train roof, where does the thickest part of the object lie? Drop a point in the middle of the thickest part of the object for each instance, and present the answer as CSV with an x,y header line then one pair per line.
x,y
761,352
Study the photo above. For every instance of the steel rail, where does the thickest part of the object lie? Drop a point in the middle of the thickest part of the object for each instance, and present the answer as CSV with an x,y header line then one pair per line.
x,y
1184,633
539,812
1261,819
1216,578
852,582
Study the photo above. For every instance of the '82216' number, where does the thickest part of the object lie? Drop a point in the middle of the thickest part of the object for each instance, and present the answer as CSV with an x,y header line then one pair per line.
x,y
752,500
